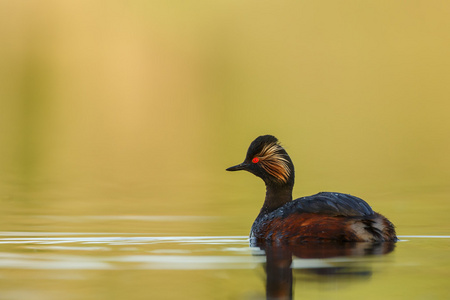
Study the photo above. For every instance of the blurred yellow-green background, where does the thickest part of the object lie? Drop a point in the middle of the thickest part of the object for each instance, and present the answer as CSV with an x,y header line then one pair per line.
x,y
137,107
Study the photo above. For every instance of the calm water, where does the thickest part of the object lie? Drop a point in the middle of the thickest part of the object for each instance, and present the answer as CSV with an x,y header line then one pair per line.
x,y
88,265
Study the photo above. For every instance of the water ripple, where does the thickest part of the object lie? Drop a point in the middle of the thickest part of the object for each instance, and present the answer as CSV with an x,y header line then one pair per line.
x,y
99,251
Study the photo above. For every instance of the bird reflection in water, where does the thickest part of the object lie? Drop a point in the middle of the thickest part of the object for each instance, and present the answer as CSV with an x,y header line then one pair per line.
x,y
316,263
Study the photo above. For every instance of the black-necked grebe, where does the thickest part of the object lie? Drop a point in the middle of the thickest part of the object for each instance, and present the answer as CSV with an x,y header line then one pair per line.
x,y
321,217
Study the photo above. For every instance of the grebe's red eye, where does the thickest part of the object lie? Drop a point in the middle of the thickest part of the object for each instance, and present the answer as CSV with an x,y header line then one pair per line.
x,y
255,160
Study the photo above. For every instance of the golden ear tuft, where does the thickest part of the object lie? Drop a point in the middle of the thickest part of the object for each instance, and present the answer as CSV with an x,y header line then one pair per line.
x,y
274,162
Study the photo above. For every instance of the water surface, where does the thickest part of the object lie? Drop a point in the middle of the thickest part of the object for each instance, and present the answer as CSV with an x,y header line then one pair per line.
x,y
95,265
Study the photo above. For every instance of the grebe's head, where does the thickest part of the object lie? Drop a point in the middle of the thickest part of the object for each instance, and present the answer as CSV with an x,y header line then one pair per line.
x,y
267,159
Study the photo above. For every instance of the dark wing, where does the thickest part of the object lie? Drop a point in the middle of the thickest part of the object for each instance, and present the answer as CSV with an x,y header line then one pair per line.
x,y
335,204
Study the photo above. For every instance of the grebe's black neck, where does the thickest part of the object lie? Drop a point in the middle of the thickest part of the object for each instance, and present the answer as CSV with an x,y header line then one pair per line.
x,y
276,196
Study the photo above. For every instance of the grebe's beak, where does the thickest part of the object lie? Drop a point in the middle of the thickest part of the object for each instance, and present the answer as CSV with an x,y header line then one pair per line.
x,y
239,167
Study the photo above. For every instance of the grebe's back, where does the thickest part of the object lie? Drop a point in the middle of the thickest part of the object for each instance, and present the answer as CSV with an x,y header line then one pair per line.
x,y
323,217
